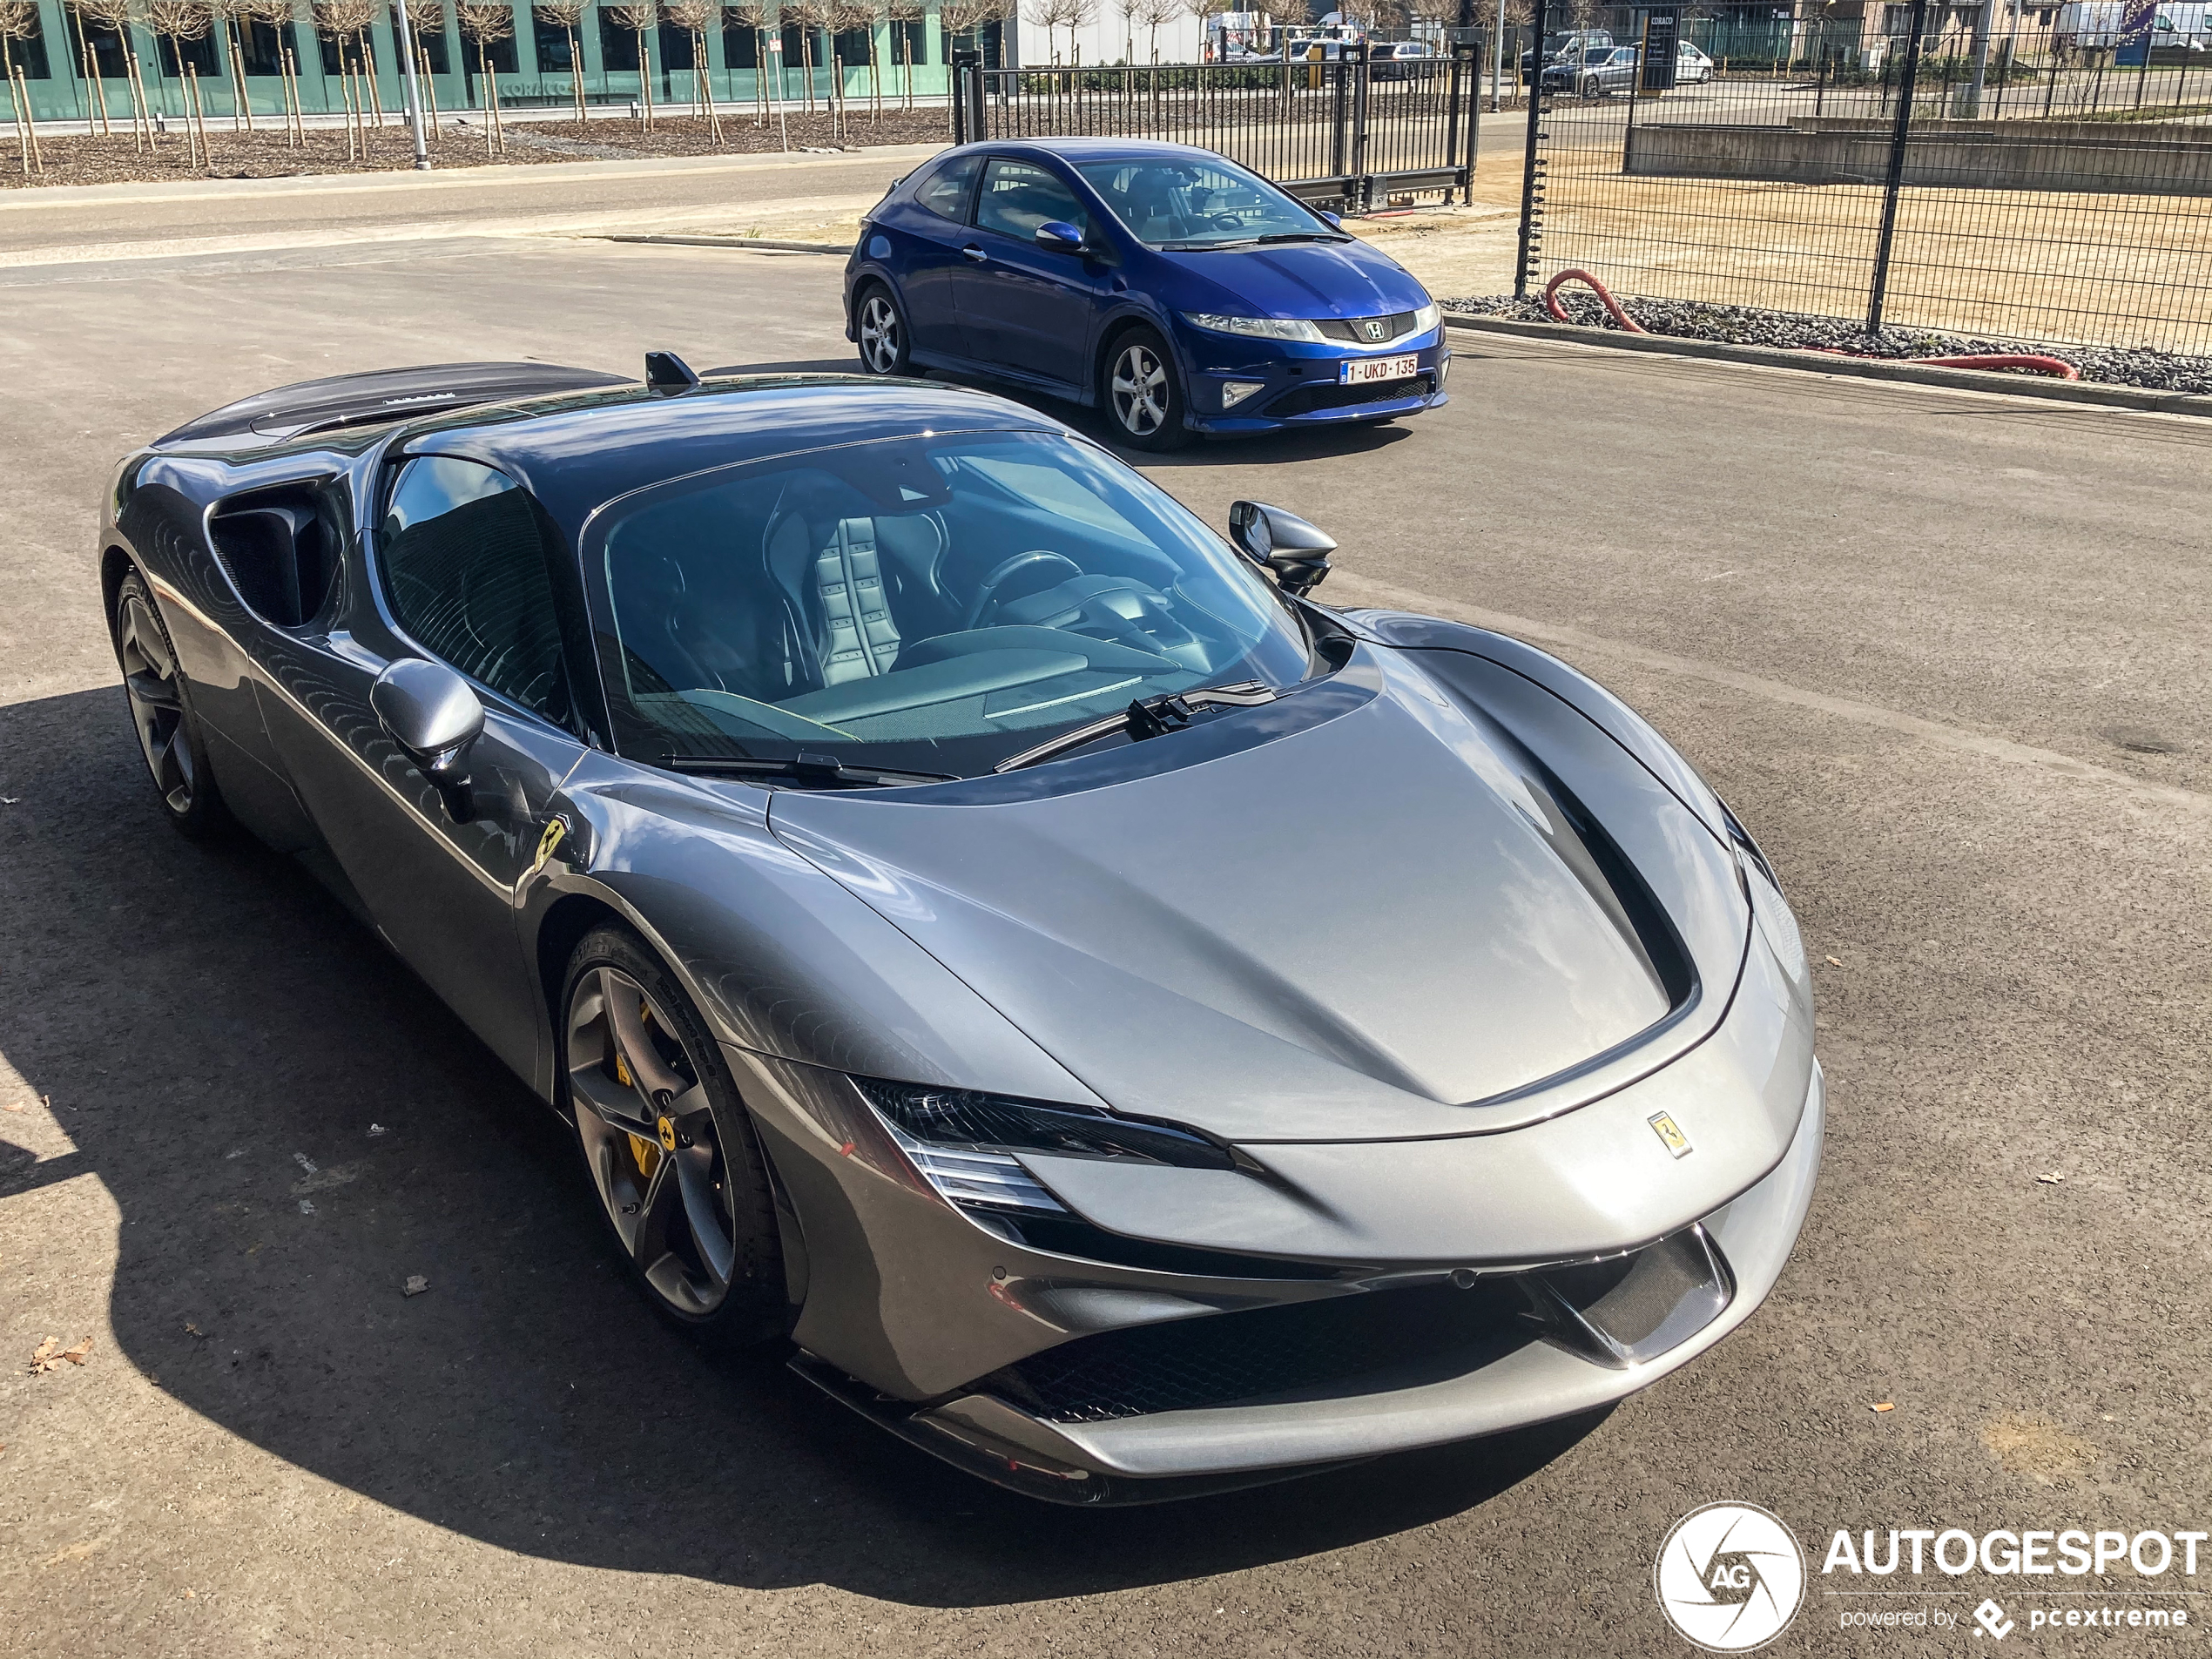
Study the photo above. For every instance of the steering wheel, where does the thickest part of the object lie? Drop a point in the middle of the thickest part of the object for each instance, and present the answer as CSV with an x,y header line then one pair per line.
x,y
986,595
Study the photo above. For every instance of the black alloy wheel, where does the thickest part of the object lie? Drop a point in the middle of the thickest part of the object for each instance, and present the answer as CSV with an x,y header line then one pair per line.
x,y
885,347
1138,389
668,1146
161,714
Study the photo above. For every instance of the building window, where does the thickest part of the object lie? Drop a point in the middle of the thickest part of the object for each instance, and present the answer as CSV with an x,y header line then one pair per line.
x,y
552,41
200,54
617,45
29,54
853,47
430,43
675,47
500,54
106,45
341,52
740,46
909,41
264,45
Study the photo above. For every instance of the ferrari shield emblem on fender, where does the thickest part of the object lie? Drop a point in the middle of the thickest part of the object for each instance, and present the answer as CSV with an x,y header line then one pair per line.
x,y
554,829
1670,1134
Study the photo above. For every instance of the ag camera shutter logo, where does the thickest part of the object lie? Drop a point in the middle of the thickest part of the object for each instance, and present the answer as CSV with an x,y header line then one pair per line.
x,y
1729,1577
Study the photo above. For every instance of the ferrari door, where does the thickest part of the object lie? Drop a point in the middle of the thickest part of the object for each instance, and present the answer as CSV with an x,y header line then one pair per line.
x,y
464,572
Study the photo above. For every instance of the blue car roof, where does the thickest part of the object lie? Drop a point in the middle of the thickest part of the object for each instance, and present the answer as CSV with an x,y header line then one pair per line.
x,y
1078,150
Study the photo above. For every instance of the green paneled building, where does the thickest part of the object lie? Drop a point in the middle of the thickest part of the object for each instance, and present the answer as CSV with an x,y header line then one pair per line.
x,y
531,65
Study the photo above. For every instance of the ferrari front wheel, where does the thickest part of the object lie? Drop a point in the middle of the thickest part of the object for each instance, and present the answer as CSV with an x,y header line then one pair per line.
x,y
668,1145
161,714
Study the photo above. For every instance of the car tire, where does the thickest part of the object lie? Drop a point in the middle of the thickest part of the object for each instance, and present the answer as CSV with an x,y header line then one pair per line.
x,y
880,324
168,728
1137,389
668,1147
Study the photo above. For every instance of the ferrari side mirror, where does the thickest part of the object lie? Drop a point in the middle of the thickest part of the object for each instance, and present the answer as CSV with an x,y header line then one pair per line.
x,y
1297,552
430,712
1057,236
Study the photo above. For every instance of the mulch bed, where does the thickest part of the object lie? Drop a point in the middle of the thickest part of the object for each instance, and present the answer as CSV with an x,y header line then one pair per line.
x,y
266,153
2161,371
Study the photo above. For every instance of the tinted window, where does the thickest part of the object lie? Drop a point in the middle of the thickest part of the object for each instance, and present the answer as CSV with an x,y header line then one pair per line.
x,y
945,193
931,604
1189,204
465,568
1017,197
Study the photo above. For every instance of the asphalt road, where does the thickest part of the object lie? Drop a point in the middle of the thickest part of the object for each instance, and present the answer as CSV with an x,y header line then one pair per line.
x,y
1945,653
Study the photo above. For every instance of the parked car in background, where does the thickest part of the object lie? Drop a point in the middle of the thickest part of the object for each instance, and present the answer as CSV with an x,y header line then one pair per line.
x,y
1173,289
1579,45
1600,75
1691,65
1397,60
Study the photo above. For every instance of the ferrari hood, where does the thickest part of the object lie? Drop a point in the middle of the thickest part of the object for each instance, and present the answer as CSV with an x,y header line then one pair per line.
x,y
1362,929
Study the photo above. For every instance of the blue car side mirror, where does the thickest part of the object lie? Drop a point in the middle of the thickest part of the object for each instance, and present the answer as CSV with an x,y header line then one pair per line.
x,y
1336,221
1057,236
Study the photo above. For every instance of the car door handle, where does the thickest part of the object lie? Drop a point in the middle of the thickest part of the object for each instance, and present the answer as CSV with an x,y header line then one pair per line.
x,y
975,253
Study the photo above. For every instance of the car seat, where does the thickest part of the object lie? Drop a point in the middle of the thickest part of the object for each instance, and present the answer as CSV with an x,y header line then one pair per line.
x,y
821,555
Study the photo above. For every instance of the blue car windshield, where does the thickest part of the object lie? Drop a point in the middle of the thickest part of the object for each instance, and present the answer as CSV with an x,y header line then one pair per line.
x,y
929,603
1181,204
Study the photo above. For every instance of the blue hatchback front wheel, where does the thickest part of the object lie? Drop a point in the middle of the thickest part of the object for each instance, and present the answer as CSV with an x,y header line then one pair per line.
x,y
1136,385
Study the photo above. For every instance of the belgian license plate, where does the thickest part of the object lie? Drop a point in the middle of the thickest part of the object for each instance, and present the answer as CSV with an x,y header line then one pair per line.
x,y
1360,370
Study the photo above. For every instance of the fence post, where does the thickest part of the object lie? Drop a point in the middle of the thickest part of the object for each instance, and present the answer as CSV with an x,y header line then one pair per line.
x,y
1891,187
962,62
978,127
1529,163
1357,66
1337,114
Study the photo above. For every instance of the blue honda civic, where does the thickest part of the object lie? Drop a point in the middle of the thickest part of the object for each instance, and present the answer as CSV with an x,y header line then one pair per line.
x,y
1169,286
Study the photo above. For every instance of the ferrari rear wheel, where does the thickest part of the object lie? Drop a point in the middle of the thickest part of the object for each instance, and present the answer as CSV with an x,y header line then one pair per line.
x,y
1139,392
668,1146
161,714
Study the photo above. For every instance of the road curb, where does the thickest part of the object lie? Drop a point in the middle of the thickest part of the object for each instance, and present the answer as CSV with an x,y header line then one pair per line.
x,y
737,242
1872,368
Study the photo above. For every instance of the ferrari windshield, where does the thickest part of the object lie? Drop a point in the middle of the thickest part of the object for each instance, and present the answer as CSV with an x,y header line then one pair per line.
x,y
1200,205
924,604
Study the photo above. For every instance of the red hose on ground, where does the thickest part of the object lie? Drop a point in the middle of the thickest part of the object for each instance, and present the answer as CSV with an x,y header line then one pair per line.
x,y
2064,370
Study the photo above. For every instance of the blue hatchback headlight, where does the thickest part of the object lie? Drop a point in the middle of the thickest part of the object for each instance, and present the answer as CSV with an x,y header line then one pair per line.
x,y
1254,328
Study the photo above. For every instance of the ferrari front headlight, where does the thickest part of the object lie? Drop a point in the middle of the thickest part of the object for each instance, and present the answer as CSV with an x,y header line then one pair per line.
x,y
962,1143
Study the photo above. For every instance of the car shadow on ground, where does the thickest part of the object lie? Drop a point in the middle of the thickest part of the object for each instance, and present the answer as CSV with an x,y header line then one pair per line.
x,y
291,1126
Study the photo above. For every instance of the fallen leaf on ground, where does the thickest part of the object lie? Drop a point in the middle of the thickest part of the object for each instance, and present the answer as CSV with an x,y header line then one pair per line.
x,y
10,1107
1886,1406
194,1331
416,1285
1836,961
48,1355
76,1356
2050,1180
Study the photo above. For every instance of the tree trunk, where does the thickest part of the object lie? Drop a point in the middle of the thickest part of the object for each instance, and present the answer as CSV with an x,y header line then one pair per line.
x,y
576,79
369,72
22,109
429,89
875,80
644,83
92,76
199,115
806,64
237,68
760,77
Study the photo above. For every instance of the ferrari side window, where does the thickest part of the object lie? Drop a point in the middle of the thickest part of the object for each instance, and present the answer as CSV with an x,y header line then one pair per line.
x,y
464,570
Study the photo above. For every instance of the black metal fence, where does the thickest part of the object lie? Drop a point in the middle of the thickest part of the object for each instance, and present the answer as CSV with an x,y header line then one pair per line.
x,y
1346,132
2030,183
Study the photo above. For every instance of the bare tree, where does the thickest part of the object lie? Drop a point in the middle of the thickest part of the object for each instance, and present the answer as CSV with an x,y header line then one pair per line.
x,y
567,16
861,16
902,15
19,21
179,21
118,15
969,17
231,19
1203,11
281,14
485,24
811,16
1155,15
426,21
641,18
759,17
695,17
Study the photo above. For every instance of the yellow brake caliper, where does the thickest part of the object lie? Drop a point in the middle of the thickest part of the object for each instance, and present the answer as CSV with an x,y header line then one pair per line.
x,y
644,1151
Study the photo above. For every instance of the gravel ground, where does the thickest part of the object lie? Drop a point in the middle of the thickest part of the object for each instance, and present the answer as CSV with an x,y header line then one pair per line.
x,y
114,159
2161,371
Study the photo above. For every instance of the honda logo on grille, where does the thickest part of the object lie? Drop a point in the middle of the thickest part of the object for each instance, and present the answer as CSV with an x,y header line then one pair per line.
x,y
1375,328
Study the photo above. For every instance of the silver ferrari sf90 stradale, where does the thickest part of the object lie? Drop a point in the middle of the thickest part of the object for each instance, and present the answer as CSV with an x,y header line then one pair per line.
x,y
1130,1029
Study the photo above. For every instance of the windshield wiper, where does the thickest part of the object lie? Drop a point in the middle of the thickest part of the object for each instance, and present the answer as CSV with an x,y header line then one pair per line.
x,y
1206,247
818,772
1305,236
1144,718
